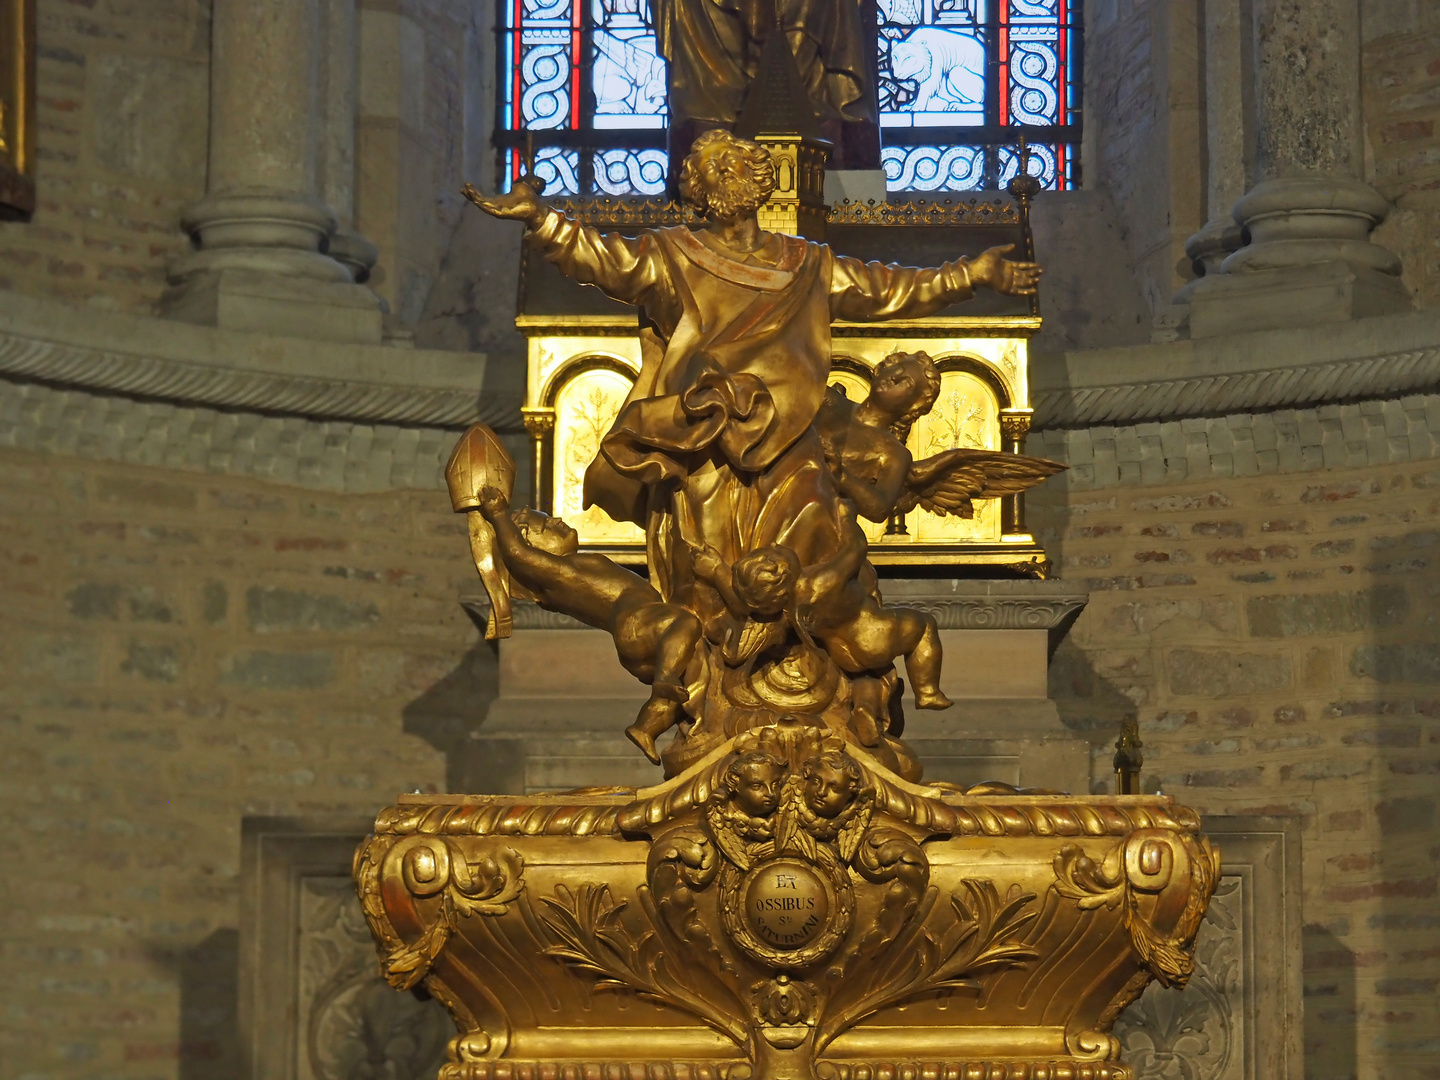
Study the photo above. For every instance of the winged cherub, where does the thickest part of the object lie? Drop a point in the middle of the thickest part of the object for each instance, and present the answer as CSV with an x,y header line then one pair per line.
x,y
833,603
654,640
864,446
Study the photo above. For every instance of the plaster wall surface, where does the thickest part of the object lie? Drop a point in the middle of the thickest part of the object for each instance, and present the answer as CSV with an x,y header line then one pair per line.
x,y
1401,72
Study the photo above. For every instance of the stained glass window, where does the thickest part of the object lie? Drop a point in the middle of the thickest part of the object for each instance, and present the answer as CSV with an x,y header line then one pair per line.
x,y
582,79
961,80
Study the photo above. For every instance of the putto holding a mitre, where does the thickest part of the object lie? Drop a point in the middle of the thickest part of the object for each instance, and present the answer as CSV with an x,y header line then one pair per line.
x,y
747,473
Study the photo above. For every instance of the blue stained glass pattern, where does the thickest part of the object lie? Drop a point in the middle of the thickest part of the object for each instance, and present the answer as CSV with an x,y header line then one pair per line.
x,y
1035,61
557,166
542,37
545,71
1049,163
933,168
932,63
631,172
628,76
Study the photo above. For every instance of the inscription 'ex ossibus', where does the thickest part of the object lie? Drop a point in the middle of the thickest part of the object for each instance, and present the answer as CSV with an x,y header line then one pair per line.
x,y
786,904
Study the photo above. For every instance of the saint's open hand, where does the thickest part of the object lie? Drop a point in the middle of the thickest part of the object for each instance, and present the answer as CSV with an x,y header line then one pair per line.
x,y
519,202
991,268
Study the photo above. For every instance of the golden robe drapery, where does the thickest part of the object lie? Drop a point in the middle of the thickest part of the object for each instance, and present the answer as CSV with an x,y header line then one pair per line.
x,y
735,361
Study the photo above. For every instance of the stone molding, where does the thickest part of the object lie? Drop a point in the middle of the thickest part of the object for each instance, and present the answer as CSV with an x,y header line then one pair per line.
x,y
147,358
965,604
325,455
154,359
524,614
1367,359
1354,436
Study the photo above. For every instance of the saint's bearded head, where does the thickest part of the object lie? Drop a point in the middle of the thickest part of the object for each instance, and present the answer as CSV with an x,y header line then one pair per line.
x,y
724,176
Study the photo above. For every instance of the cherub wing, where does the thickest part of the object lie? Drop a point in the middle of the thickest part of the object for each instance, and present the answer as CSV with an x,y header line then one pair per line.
x,y
946,483
789,835
725,837
854,830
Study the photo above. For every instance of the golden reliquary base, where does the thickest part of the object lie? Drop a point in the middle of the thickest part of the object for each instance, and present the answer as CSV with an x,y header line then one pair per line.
x,y
785,909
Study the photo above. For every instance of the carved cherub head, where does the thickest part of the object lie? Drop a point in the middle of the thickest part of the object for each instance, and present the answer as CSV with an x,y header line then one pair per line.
x,y
726,177
831,782
545,532
764,580
755,780
904,388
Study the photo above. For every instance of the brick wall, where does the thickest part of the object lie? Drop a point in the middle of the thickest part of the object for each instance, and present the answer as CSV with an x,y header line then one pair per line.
x,y
1142,127
122,101
1276,637
181,649
122,132
1401,73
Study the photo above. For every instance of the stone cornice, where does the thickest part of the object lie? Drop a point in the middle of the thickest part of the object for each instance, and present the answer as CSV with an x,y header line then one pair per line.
x,y
969,604
43,341
1371,358
151,358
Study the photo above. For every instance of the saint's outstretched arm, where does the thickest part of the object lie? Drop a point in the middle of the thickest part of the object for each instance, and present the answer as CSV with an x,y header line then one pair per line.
x,y
869,291
873,291
623,267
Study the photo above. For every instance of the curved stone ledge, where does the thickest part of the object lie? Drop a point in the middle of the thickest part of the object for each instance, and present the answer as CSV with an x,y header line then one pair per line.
x,y
152,358
1371,358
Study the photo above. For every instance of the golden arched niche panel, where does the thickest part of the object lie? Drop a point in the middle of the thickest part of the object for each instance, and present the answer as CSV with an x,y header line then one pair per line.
x,y
586,405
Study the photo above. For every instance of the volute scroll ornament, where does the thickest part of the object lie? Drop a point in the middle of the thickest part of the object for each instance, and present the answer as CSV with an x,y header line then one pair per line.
x,y
1162,882
431,868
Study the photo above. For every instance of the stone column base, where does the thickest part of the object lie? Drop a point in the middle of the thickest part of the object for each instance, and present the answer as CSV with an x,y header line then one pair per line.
x,y
1308,260
254,301
260,268
1330,292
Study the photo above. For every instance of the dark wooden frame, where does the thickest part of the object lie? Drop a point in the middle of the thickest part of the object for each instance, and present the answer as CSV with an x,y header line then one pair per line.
x,y
17,108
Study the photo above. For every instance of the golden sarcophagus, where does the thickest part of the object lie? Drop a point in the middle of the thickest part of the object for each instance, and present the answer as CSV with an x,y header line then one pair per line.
x,y
785,909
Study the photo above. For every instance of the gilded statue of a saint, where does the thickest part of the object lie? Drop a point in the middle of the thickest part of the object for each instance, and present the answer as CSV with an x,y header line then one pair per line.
x,y
713,50
717,452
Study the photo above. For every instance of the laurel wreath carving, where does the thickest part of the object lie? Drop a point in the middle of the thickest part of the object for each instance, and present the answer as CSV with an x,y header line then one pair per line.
x,y
980,940
592,937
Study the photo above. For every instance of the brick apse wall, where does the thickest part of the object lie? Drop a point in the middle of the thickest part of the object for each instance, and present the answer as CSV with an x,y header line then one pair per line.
x,y
186,644
1266,606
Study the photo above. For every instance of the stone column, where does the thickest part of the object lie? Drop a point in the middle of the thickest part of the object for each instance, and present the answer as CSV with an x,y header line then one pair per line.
x,y
1307,218
340,26
263,231
1225,138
